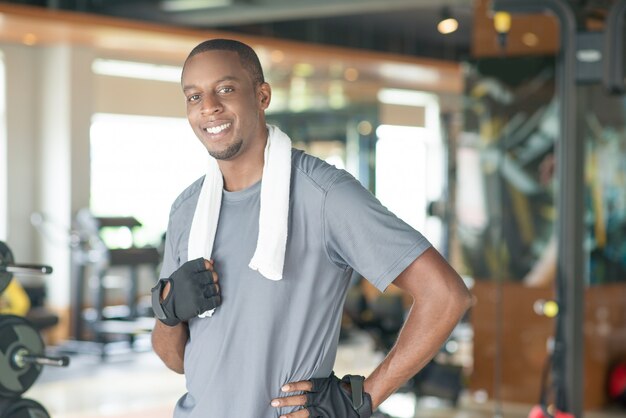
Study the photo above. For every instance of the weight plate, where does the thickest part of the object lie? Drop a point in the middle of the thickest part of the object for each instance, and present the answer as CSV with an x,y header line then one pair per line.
x,y
17,334
6,257
22,408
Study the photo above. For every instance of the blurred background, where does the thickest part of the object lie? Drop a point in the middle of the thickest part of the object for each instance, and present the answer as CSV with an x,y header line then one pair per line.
x,y
496,128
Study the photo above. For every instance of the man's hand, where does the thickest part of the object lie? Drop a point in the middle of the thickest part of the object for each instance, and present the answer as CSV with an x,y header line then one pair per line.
x,y
188,292
327,397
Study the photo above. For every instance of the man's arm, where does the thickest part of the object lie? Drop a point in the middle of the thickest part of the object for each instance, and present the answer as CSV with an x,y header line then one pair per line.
x,y
197,291
169,344
440,298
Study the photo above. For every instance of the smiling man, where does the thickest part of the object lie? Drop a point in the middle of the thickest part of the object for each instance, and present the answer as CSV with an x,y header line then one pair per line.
x,y
253,321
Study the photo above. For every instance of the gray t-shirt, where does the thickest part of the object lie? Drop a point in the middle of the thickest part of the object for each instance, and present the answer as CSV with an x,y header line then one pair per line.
x,y
267,333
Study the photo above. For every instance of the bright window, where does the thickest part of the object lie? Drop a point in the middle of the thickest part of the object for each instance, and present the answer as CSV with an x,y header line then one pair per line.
x,y
408,176
139,165
410,162
401,172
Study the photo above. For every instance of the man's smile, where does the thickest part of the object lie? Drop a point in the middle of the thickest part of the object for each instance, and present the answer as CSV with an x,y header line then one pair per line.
x,y
214,130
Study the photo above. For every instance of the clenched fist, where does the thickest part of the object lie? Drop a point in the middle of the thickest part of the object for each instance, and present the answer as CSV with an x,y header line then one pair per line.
x,y
188,292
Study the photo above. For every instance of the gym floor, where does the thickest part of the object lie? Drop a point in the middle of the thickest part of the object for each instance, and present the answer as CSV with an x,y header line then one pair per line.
x,y
138,385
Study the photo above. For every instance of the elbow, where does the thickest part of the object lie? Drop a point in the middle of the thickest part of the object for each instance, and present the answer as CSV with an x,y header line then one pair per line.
x,y
171,354
175,367
467,300
171,360
458,298
463,299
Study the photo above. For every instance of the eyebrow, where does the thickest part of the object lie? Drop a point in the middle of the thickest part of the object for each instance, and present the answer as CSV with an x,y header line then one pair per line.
x,y
221,80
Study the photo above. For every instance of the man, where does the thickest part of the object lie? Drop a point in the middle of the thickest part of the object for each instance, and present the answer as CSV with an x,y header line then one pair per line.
x,y
269,348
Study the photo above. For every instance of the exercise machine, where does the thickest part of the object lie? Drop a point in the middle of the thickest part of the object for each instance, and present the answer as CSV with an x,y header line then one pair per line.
x,y
107,316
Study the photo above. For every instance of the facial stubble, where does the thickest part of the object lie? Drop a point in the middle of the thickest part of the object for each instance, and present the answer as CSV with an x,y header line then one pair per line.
x,y
227,153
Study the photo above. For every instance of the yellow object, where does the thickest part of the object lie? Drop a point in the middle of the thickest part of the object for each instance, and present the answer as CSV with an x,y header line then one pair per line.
x,y
502,22
550,309
14,300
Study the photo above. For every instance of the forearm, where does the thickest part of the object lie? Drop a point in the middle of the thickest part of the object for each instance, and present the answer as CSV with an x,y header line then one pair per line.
x,y
436,310
169,344
416,345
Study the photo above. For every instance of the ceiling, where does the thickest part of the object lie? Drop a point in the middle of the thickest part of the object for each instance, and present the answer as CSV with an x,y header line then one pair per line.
x,y
406,27
389,42
401,27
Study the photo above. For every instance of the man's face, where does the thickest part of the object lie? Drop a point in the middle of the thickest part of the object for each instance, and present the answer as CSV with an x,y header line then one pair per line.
x,y
224,104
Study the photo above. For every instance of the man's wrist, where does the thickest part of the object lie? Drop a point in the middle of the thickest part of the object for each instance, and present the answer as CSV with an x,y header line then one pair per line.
x,y
157,303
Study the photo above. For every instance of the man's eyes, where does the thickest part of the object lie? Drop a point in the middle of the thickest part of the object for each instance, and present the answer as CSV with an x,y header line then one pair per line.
x,y
221,90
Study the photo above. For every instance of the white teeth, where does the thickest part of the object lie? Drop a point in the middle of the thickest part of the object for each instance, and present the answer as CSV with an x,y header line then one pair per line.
x,y
217,129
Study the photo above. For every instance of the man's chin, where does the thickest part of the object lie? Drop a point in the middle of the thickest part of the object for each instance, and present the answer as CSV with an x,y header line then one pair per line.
x,y
226,154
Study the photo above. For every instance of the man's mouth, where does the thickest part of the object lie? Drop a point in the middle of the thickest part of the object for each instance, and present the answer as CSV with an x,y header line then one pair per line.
x,y
217,129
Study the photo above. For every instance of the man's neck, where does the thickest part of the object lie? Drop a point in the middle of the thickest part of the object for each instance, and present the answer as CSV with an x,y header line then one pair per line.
x,y
243,172
239,177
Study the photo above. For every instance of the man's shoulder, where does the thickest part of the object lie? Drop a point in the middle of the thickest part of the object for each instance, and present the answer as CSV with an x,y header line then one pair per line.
x,y
315,170
193,190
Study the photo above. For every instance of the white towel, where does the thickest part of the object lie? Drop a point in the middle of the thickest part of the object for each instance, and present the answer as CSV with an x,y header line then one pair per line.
x,y
269,256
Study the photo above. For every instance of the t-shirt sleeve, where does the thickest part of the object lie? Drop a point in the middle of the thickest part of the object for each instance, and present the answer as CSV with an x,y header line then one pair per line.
x,y
363,234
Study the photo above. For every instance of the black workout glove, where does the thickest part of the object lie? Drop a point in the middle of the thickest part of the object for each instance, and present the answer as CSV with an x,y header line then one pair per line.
x,y
192,292
329,399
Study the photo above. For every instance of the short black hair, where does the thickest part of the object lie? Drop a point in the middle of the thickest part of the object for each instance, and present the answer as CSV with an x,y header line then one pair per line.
x,y
249,59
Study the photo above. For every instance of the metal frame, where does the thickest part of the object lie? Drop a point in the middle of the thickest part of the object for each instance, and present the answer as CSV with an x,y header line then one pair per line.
x,y
613,49
571,266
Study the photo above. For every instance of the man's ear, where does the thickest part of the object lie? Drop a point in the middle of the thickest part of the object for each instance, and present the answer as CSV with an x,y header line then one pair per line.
x,y
264,92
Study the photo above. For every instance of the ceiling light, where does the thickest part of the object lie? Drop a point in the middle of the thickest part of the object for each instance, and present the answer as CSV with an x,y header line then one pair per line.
x,y
351,74
406,97
502,25
191,5
29,39
502,22
277,56
303,69
530,39
141,70
447,24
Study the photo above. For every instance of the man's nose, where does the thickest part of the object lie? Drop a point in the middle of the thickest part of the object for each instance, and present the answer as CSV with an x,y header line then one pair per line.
x,y
211,104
